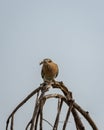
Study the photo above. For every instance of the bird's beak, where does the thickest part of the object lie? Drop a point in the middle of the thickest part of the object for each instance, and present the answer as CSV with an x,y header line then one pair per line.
x,y
41,62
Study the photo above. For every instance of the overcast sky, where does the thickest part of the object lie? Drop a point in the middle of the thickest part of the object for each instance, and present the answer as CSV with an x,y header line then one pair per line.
x,y
71,33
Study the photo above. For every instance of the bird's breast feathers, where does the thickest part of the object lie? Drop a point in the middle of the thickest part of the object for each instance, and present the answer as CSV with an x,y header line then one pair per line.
x,y
50,71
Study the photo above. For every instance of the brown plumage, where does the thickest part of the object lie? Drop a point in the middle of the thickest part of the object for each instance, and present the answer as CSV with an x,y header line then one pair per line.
x,y
49,70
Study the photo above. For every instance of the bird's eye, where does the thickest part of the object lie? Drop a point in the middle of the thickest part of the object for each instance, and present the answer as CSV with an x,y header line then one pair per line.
x,y
49,61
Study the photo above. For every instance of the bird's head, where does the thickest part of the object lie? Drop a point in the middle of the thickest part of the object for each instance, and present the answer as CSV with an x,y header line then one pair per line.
x,y
46,61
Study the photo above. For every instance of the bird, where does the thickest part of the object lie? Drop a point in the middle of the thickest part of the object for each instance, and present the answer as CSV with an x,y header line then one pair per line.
x,y
49,70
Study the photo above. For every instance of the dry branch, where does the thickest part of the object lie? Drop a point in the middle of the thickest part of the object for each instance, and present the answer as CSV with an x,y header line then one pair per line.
x,y
67,115
22,103
37,117
58,114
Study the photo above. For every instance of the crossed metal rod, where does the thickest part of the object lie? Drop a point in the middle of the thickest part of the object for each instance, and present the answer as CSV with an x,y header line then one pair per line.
x,y
41,98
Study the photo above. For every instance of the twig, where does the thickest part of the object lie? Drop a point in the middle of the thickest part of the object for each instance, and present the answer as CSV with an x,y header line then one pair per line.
x,y
34,117
28,125
67,116
30,122
12,122
58,114
41,117
78,122
48,122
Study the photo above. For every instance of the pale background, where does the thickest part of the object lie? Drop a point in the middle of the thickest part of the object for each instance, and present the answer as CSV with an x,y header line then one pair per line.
x,y
69,32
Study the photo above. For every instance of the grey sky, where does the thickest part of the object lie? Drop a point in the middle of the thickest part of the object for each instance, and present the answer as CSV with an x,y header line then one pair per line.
x,y
69,32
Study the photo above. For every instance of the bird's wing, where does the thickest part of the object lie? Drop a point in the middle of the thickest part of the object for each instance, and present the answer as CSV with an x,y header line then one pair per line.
x,y
42,73
57,70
